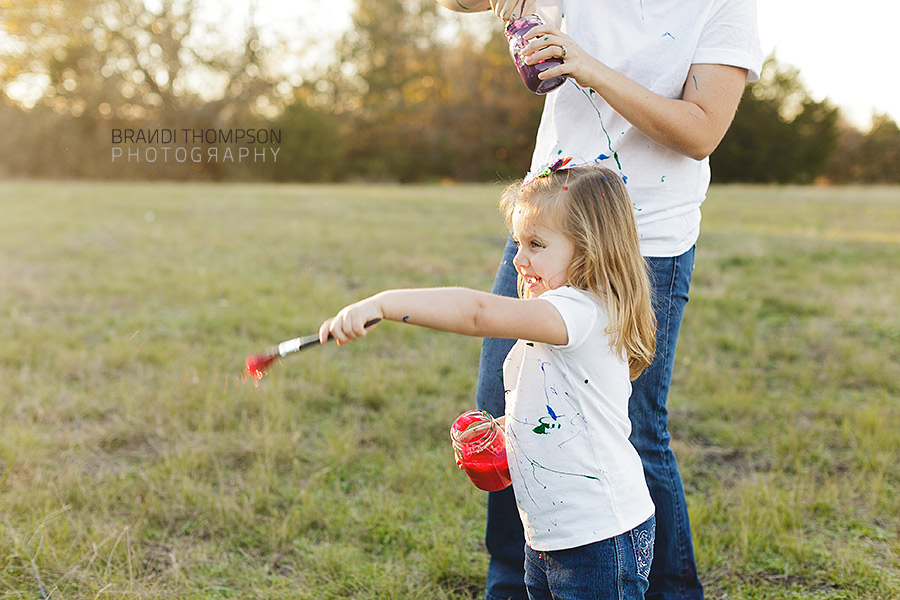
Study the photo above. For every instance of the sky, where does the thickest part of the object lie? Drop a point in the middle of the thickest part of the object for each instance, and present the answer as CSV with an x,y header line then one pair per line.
x,y
846,51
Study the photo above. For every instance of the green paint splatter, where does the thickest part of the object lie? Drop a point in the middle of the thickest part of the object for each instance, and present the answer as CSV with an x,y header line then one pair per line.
x,y
602,126
543,427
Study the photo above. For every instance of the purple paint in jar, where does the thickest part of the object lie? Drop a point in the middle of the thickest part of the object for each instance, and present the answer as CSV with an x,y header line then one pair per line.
x,y
515,34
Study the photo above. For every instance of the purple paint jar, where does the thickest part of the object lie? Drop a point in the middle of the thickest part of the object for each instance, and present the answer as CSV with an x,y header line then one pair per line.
x,y
515,34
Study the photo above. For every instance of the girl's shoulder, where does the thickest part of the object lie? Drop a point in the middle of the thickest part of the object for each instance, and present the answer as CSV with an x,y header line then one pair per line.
x,y
586,298
581,310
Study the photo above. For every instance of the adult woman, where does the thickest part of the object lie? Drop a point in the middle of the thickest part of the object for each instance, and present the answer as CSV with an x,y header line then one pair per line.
x,y
653,87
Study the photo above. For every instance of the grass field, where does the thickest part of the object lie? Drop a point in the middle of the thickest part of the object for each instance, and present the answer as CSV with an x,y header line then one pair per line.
x,y
134,463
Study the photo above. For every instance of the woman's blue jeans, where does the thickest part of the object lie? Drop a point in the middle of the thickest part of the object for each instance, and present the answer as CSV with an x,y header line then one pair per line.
x,y
674,572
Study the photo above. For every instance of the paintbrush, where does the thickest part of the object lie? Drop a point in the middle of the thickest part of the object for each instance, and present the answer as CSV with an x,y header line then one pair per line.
x,y
258,364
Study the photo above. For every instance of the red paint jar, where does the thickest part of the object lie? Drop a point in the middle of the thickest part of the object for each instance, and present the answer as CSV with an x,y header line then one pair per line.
x,y
515,35
480,448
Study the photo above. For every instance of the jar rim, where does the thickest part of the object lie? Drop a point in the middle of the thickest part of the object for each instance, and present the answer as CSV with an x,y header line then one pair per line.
x,y
479,442
517,24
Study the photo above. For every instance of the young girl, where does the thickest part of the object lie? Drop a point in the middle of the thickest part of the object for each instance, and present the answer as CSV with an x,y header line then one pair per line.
x,y
586,328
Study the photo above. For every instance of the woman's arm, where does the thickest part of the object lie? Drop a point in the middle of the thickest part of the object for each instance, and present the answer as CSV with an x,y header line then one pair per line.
x,y
505,9
465,5
456,310
692,125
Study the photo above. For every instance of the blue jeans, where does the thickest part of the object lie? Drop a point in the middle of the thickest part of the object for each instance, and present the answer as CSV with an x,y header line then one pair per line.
x,y
674,573
611,569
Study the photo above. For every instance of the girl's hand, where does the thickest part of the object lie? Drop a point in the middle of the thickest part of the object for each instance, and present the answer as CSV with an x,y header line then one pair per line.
x,y
546,41
509,10
350,323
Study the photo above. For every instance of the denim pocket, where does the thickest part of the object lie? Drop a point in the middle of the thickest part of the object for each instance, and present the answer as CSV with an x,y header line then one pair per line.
x,y
642,538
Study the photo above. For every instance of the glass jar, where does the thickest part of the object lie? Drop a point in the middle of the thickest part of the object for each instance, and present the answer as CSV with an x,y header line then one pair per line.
x,y
480,448
515,35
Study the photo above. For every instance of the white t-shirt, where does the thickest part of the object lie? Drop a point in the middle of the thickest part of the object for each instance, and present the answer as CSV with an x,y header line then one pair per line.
x,y
653,42
577,479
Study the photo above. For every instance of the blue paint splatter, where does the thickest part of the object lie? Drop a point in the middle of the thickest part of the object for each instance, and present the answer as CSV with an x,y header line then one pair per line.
x,y
667,34
696,87
546,395
406,319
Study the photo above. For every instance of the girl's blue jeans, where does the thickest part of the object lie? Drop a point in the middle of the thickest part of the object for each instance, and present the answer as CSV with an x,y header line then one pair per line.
x,y
674,573
613,569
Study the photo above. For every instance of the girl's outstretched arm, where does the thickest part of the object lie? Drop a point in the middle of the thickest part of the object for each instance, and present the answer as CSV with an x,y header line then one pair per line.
x,y
457,310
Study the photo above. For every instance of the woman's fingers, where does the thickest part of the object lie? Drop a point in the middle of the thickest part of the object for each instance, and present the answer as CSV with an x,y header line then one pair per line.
x,y
554,51
509,10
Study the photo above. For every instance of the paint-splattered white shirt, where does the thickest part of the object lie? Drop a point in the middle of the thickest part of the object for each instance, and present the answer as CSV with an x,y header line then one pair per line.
x,y
577,478
653,43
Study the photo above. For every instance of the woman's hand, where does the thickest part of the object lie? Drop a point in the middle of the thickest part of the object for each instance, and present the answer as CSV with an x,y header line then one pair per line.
x,y
509,10
350,323
546,42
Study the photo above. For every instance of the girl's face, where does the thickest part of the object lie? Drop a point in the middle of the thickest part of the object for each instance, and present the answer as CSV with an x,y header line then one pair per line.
x,y
544,254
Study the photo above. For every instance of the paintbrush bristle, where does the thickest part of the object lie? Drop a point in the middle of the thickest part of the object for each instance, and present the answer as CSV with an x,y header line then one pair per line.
x,y
258,365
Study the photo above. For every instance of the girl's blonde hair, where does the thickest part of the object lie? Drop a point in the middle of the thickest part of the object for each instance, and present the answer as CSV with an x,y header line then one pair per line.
x,y
591,206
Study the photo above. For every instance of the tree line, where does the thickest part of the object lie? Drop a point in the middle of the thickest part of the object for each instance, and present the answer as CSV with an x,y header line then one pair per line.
x,y
412,93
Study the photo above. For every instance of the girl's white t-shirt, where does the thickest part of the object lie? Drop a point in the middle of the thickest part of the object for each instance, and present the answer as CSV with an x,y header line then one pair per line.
x,y
577,479
653,43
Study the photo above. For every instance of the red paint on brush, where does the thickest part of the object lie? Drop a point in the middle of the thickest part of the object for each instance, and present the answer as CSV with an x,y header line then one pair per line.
x,y
257,365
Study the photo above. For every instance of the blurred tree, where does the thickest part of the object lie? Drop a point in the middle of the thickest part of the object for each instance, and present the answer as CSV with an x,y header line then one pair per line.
x,y
131,60
419,104
380,86
312,148
127,63
490,116
873,157
779,134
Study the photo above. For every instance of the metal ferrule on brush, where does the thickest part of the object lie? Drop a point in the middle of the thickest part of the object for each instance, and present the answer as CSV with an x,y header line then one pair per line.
x,y
289,346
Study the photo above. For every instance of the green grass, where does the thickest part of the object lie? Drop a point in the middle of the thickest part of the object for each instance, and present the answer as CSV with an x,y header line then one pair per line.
x,y
134,462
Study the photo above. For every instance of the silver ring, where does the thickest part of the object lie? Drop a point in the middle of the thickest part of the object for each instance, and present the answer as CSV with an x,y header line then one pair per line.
x,y
564,50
